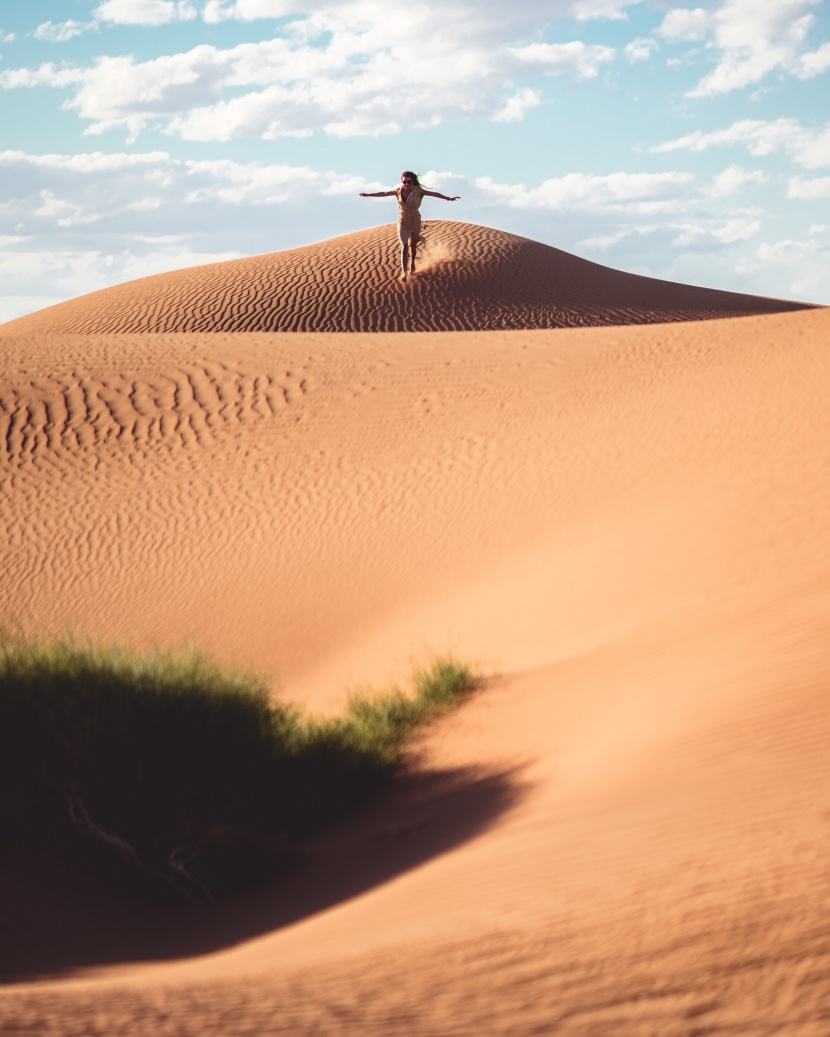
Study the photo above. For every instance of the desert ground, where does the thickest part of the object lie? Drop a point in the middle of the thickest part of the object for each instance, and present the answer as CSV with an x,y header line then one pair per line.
x,y
609,493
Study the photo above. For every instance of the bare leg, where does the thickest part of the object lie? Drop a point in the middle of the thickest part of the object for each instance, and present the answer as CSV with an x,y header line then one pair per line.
x,y
404,261
413,249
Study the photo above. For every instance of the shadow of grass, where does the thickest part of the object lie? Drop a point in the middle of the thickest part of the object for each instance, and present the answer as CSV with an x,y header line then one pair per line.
x,y
57,922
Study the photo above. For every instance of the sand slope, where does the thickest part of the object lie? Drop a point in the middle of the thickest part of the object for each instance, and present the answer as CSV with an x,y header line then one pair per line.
x,y
469,278
626,831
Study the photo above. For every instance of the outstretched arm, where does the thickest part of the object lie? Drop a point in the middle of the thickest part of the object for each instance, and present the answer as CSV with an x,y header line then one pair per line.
x,y
375,194
437,194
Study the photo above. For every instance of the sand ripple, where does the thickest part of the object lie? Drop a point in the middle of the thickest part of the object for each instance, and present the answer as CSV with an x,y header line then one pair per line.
x,y
52,416
469,278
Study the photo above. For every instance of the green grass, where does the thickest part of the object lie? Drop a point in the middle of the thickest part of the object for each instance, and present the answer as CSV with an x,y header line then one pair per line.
x,y
380,725
179,778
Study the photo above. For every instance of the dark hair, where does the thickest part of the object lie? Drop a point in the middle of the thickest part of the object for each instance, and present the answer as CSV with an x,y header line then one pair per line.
x,y
414,176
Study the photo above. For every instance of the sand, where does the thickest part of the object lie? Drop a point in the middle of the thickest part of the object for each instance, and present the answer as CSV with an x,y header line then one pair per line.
x,y
476,279
625,831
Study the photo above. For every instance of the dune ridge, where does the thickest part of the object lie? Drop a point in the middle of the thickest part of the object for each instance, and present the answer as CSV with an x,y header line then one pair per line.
x,y
470,278
626,831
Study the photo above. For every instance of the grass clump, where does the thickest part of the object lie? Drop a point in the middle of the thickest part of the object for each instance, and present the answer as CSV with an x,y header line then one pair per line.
x,y
179,777
381,725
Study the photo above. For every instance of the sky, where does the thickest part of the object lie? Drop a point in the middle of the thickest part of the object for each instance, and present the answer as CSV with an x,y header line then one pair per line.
x,y
688,143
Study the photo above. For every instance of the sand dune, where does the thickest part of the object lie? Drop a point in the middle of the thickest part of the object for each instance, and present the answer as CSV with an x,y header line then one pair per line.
x,y
469,279
625,832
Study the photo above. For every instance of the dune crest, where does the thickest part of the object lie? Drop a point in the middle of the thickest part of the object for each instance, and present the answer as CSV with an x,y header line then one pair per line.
x,y
470,278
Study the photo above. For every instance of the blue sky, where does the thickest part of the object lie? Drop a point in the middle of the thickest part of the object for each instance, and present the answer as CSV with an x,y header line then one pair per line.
x,y
691,143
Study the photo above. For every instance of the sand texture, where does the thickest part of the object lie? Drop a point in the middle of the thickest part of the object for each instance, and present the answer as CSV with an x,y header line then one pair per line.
x,y
469,278
625,832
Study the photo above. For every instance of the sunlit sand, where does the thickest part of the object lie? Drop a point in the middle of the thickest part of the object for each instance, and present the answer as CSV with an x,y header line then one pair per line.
x,y
609,493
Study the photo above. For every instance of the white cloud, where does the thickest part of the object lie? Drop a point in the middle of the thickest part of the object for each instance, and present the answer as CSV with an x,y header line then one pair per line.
x,y
81,222
602,242
752,37
56,199
46,75
583,10
641,49
813,64
63,212
145,12
817,187
360,68
118,91
610,10
806,147
250,10
516,107
239,184
59,183
732,179
7,37
61,32
91,162
555,58
803,265
739,228
616,192
33,278
687,24
44,194
787,248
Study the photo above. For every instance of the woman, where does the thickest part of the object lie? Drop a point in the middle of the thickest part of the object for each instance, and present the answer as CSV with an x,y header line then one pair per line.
x,y
409,196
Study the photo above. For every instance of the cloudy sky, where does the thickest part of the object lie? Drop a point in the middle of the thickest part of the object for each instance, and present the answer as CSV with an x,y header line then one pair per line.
x,y
691,143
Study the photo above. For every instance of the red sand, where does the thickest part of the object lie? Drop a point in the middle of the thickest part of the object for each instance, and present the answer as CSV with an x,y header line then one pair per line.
x,y
626,831
469,278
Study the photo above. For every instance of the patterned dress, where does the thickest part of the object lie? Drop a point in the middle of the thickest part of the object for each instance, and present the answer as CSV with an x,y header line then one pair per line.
x,y
409,219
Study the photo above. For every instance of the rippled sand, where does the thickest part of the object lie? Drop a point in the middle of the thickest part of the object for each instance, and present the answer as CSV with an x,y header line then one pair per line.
x,y
469,278
625,832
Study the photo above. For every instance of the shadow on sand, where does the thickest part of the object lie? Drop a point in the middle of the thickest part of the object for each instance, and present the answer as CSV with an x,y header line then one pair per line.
x,y
53,923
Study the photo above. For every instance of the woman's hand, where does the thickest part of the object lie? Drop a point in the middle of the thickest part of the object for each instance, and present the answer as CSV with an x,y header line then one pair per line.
x,y
455,198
